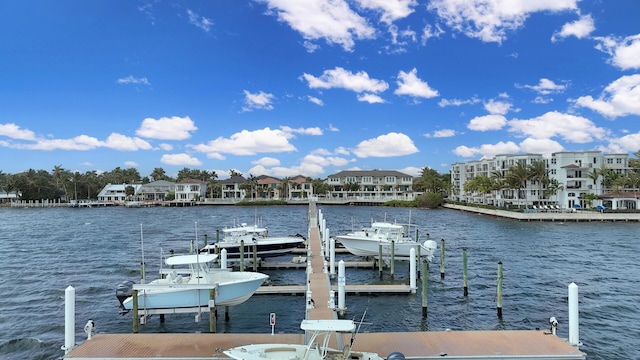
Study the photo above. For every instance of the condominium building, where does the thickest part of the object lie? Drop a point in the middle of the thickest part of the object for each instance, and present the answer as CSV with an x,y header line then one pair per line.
x,y
575,173
371,184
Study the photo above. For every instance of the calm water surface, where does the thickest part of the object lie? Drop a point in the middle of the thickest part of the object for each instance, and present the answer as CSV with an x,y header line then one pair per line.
x,y
46,250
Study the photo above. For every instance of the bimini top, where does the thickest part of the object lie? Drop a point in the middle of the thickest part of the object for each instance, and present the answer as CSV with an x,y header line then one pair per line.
x,y
328,325
190,259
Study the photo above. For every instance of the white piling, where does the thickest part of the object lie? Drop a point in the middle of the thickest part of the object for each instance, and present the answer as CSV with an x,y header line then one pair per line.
x,y
326,245
574,331
341,286
332,257
223,259
69,319
412,270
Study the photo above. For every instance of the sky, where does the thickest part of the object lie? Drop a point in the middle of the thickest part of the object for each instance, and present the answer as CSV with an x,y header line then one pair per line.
x,y
301,87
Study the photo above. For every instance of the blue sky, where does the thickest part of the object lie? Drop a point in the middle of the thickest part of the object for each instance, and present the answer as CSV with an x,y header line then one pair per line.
x,y
289,87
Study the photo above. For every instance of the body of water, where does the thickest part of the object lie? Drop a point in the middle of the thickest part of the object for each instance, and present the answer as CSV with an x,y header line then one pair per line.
x,y
46,250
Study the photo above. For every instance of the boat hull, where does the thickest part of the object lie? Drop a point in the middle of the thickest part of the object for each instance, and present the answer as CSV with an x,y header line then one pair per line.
x,y
233,288
370,247
267,247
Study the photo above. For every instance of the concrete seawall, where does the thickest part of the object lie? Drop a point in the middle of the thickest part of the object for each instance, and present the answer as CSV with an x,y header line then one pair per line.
x,y
561,216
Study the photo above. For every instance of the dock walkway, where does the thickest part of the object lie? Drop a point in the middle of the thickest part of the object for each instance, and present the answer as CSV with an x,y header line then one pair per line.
x,y
520,344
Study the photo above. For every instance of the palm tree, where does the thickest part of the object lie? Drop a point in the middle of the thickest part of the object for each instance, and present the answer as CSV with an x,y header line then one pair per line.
x,y
158,174
553,187
516,177
594,175
538,172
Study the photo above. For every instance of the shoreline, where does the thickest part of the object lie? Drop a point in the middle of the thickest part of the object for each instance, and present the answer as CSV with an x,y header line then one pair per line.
x,y
559,216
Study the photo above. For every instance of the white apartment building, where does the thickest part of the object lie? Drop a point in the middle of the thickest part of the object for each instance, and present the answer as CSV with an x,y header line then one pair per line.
x,y
572,170
373,185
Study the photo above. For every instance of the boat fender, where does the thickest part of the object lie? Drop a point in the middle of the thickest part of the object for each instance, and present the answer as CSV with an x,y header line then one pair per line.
x,y
396,355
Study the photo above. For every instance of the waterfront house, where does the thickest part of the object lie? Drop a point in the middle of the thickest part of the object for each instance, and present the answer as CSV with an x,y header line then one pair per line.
x,y
230,188
117,193
156,190
190,190
371,185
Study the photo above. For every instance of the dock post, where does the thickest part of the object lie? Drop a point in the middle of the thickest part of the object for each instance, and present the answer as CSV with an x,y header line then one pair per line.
x,y
69,319
223,259
212,310
412,270
574,329
393,257
241,255
205,239
217,236
442,259
134,294
425,284
464,272
380,259
499,292
255,257
332,258
341,287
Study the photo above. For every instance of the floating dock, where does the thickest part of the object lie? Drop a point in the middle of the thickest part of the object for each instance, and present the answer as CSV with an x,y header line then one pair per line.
x,y
468,345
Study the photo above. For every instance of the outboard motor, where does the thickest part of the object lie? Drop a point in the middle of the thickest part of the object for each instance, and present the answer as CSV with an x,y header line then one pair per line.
x,y
123,291
396,355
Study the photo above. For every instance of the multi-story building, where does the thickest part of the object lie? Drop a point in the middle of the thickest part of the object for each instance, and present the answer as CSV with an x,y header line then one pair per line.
x,y
574,173
371,185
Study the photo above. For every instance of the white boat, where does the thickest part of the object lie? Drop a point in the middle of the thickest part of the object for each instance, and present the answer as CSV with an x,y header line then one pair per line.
x,y
189,288
393,238
317,348
252,235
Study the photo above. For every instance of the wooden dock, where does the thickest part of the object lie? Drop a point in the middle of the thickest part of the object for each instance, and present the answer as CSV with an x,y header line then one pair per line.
x,y
520,344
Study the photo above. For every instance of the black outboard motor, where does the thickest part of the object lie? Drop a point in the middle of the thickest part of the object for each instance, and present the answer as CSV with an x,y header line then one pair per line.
x,y
396,355
123,291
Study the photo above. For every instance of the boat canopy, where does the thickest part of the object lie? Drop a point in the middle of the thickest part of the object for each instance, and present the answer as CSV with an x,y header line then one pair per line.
x,y
328,325
190,259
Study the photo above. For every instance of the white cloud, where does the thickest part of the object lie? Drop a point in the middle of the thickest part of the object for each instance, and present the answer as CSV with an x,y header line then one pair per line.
x,y
624,144
131,164
14,131
133,80
371,99
260,101
620,98
125,143
316,131
331,20
571,128
388,145
487,150
490,20
487,122
540,146
167,128
580,28
315,100
267,161
249,143
410,84
444,133
199,21
343,79
625,53
180,160
457,102
497,107
429,32
391,10
546,87
333,128
411,170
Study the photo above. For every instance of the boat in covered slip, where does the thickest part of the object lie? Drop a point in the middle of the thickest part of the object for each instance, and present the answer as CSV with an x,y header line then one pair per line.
x,y
393,238
252,235
187,283
317,348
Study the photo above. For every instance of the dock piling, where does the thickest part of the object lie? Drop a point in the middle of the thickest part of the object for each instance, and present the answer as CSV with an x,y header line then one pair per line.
x,y
69,319
442,259
464,272
499,291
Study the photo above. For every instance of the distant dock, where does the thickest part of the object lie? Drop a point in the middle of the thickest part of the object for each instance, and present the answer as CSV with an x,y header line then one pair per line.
x,y
553,216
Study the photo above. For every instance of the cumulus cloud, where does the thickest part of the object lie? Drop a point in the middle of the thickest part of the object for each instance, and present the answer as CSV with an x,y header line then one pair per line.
x,y
14,131
487,150
167,128
497,107
444,133
125,143
487,122
249,143
257,101
490,21
625,52
390,10
540,146
620,98
180,160
343,79
331,20
316,131
571,128
409,84
388,145
580,28
371,99
545,87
